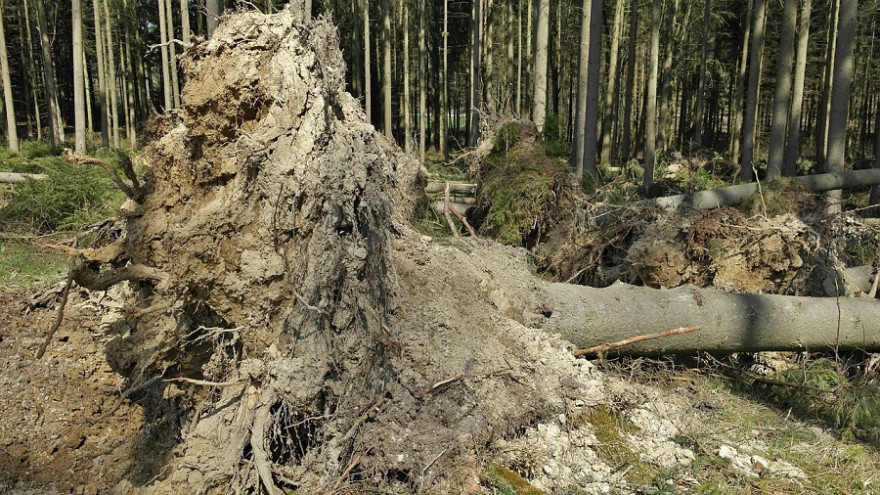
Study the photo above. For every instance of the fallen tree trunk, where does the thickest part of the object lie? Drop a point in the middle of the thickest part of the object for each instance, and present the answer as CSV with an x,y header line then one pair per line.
x,y
731,322
734,195
13,178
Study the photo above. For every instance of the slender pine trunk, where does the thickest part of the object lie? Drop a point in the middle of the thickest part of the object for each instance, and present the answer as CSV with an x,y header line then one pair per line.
x,y
827,87
611,88
11,127
56,126
839,110
79,104
629,94
701,84
782,99
651,103
792,147
749,125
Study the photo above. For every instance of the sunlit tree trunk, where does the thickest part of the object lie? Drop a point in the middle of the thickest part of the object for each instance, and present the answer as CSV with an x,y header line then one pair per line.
x,y
651,105
172,55
184,20
749,125
519,59
539,109
11,128
827,86
838,114
782,99
79,104
212,15
163,39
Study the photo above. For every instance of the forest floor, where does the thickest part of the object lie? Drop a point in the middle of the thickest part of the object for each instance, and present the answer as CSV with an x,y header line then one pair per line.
x,y
650,426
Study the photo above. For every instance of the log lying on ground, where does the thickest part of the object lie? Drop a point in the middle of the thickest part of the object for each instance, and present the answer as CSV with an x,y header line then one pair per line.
x,y
12,177
731,322
734,195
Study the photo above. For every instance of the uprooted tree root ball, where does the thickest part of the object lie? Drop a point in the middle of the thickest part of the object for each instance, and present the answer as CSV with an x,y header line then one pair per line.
x,y
273,310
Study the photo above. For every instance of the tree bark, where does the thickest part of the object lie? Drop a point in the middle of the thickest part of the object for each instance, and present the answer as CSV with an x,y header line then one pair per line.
x,y
827,86
14,178
56,127
79,105
476,75
577,147
734,195
731,322
32,70
11,127
629,93
386,68
792,148
111,76
757,45
664,117
172,56
102,75
701,91
444,86
184,20
163,39
782,99
542,36
407,96
212,16
651,106
591,131
368,104
839,110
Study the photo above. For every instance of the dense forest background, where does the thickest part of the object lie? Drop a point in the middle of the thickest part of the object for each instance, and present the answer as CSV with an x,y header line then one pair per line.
x,y
789,86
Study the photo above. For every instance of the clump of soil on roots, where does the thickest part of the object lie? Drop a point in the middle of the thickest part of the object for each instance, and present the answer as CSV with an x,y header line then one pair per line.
x,y
290,325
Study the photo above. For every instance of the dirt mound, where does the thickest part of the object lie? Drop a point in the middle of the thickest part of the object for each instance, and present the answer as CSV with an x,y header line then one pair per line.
x,y
279,314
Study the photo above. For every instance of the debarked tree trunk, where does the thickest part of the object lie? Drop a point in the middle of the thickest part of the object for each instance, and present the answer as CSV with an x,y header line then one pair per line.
x,y
730,322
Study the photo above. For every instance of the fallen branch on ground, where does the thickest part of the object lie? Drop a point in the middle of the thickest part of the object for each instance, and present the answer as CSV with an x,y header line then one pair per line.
x,y
601,350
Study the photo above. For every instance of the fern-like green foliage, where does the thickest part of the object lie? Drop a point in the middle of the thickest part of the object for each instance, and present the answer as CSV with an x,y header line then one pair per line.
x,y
69,197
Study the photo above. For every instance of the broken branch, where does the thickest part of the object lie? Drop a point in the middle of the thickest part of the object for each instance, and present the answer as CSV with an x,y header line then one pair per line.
x,y
134,191
604,348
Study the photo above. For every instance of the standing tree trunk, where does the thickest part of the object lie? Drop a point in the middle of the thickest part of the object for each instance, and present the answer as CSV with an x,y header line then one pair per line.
x,y
56,127
577,147
444,83
172,55
701,85
875,190
629,93
476,72
184,20
32,70
407,96
102,75
423,81
792,149
737,118
79,106
368,104
611,89
591,136
779,123
837,118
11,128
111,76
752,93
519,59
539,109
827,87
163,38
212,15
665,106
386,67
651,106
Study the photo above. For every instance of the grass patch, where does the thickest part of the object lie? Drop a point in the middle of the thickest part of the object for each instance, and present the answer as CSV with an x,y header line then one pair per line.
x,y
25,266
505,481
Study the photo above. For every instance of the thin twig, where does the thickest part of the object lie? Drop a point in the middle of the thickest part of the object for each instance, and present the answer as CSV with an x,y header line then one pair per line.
x,y
604,348
58,317
204,383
